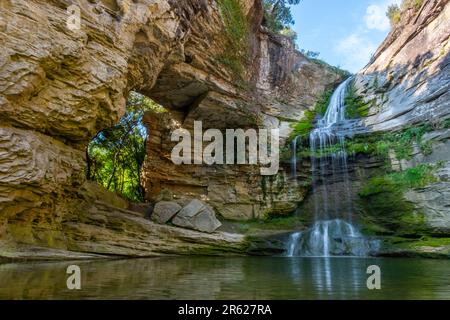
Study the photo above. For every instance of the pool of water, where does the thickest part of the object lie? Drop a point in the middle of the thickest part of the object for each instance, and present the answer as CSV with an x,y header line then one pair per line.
x,y
229,278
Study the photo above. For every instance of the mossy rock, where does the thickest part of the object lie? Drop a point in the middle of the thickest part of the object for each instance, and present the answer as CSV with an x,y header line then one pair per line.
x,y
92,191
425,247
389,213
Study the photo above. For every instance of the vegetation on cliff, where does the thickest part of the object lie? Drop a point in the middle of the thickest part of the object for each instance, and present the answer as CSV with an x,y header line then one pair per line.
x,y
116,154
384,211
277,14
236,50
394,12
401,143
417,177
306,124
355,106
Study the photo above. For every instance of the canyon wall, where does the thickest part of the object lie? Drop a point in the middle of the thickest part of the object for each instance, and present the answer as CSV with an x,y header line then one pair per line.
x,y
409,74
59,86
408,85
278,86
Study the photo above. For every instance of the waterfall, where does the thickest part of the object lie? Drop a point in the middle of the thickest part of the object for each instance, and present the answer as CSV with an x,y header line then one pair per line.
x,y
333,233
330,238
292,244
294,156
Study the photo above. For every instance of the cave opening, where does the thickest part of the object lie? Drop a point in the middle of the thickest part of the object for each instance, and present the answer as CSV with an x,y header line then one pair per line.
x,y
116,154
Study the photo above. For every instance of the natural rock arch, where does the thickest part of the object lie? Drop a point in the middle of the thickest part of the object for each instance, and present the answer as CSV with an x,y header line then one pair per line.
x,y
59,87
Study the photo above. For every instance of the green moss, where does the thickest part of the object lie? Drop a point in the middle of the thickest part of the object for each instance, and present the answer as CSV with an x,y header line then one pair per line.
x,y
306,124
236,51
412,4
383,208
431,242
446,123
388,213
424,247
402,143
417,177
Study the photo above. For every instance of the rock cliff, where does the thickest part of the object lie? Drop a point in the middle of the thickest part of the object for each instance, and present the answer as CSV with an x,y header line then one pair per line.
x,y
59,86
409,74
408,85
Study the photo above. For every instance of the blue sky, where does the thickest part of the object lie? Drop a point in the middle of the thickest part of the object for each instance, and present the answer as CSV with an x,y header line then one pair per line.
x,y
345,32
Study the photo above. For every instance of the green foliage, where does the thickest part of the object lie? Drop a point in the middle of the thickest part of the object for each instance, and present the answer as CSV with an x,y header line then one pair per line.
x,y
417,177
394,14
116,154
310,54
446,124
431,242
236,50
314,57
355,107
290,33
356,146
304,126
412,4
402,142
277,14
381,148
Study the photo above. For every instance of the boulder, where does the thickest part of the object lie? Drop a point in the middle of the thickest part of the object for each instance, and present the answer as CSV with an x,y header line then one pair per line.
x,y
197,216
164,211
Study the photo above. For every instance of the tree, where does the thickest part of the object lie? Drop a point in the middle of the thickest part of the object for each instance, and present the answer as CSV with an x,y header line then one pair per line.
x,y
116,154
290,33
394,14
277,14
310,54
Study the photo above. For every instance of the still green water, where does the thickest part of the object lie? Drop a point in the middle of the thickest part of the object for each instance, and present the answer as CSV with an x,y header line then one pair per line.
x,y
229,278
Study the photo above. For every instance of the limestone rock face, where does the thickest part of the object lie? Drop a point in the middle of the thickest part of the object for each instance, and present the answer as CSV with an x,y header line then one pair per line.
x,y
408,81
59,86
434,202
278,85
164,211
288,82
236,192
198,216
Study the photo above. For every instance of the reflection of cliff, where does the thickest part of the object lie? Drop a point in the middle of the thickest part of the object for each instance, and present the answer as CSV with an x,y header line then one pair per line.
x,y
228,278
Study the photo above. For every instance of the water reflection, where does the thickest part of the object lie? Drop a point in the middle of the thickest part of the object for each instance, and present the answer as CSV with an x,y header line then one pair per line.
x,y
229,278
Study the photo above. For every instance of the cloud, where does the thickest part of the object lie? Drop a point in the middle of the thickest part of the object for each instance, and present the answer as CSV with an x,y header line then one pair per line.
x,y
356,51
375,17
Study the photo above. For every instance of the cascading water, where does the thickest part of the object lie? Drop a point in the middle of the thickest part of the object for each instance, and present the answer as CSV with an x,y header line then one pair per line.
x,y
333,233
294,156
